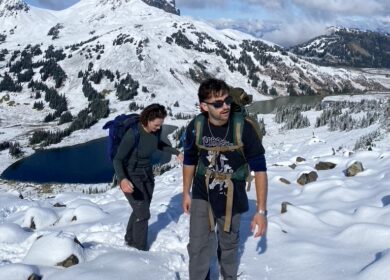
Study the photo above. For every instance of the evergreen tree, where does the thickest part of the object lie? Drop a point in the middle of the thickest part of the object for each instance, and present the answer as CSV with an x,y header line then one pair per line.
x,y
8,84
264,87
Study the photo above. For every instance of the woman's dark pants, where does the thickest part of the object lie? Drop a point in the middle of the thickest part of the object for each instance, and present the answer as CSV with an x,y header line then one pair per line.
x,y
137,227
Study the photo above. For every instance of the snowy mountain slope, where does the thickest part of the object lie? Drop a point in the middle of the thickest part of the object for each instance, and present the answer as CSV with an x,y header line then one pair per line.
x,y
348,48
165,55
16,22
334,228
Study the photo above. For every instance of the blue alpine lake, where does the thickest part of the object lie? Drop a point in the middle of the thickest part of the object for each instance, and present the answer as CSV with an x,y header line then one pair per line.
x,y
88,162
268,106
84,163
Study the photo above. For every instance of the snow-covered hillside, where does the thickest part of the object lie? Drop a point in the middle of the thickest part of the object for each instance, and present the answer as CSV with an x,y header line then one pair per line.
x,y
114,47
348,48
336,227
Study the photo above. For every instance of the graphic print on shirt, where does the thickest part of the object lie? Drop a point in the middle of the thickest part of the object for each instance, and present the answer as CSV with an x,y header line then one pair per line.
x,y
217,162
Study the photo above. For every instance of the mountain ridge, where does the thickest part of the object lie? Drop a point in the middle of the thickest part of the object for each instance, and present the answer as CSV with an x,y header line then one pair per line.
x,y
90,62
347,47
9,8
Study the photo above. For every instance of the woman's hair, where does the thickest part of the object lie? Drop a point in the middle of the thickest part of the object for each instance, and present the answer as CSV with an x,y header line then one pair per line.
x,y
212,87
151,112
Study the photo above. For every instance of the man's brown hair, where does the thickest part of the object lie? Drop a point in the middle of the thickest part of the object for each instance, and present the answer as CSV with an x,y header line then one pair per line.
x,y
212,87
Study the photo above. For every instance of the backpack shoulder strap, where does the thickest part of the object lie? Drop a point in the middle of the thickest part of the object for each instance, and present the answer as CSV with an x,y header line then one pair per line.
x,y
198,126
255,126
136,134
238,127
131,123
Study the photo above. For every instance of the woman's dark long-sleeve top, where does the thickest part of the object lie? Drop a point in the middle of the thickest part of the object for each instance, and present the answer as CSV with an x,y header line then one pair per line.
x,y
140,157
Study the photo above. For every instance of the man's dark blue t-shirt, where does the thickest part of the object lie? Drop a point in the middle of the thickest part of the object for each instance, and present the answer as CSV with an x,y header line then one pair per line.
x,y
227,162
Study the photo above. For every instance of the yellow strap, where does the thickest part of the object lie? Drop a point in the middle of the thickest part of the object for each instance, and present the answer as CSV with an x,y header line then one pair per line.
x,y
211,216
221,149
229,206
227,178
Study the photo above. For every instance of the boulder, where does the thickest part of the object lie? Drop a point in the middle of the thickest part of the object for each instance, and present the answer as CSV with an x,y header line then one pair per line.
x,y
59,205
306,178
285,181
354,169
39,217
34,277
284,207
72,260
12,233
56,249
292,166
325,165
300,159
19,271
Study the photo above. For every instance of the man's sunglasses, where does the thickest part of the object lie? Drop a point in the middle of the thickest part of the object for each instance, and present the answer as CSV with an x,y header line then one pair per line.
x,y
219,103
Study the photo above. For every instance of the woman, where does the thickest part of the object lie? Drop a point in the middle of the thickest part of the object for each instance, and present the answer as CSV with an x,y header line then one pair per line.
x,y
135,174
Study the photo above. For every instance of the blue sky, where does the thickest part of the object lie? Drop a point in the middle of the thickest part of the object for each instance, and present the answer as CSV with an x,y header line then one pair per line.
x,y
285,22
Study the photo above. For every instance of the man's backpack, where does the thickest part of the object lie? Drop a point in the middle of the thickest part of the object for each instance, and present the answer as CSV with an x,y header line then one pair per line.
x,y
117,129
240,100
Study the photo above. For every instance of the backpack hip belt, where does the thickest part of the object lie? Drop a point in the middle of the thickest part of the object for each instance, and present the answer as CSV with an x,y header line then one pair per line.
x,y
227,178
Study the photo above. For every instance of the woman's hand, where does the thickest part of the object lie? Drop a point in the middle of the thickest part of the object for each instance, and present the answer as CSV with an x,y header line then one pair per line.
x,y
126,186
180,158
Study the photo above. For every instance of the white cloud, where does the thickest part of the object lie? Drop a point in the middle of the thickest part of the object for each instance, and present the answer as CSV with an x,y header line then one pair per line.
x,y
200,4
290,34
344,7
266,3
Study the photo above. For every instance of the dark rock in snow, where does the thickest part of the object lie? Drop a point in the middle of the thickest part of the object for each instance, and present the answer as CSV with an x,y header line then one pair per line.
x,y
59,205
285,181
354,169
322,165
300,159
292,166
306,178
72,260
34,277
284,206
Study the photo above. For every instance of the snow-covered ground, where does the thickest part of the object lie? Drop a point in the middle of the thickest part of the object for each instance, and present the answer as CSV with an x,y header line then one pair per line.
x,y
335,228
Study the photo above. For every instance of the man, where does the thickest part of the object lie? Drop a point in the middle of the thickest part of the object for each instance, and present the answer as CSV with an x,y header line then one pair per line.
x,y
218,148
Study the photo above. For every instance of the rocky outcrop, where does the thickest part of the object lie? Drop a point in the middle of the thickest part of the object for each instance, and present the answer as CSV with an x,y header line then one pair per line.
x,y
34,277
56,249
307,177
70,261
285,181
168,6
284,206
347,47
300,159
9,8
354,169
39,217
324,165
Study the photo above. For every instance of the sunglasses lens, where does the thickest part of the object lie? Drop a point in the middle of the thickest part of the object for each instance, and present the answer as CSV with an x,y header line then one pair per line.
x,y
228,100
218,104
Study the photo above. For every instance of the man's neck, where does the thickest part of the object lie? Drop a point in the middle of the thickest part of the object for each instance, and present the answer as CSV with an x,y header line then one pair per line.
x,y
217,122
